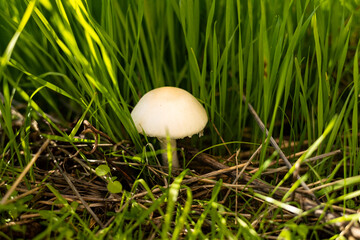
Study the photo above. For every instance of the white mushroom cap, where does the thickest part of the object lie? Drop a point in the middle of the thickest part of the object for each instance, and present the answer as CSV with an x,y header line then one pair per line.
x,y
169,110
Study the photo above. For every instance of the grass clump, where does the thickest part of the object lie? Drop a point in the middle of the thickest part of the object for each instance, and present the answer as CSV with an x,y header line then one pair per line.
x,y
71,71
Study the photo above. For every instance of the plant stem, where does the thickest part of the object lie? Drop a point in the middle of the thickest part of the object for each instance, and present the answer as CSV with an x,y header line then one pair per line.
x,y
163,144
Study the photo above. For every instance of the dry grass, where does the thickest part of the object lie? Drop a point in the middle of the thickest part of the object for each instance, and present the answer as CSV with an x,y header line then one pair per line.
x,y
60,165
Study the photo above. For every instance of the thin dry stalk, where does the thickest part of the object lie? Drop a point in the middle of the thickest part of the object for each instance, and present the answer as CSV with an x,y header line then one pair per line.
x,y
78,194
276,146
242,171
24,172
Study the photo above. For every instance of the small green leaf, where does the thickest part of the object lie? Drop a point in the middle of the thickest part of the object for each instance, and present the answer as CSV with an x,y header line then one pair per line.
x,y
302,230
102,170
350,203
134,212
74,205
285,234
114,187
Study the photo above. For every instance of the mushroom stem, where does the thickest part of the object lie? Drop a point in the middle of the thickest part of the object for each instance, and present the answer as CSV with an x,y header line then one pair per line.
x,y
175,161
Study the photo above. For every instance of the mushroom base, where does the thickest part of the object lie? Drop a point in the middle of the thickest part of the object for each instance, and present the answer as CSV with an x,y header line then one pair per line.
x,y
175,161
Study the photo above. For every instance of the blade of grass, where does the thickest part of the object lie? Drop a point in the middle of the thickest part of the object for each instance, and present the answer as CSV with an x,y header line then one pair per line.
x,y
355,122
172,197
24,172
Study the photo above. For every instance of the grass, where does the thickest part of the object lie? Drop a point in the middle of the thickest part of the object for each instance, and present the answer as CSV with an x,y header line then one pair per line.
x,y
63,62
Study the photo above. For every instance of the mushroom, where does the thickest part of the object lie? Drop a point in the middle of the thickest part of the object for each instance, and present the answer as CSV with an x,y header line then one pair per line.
x,y
169,111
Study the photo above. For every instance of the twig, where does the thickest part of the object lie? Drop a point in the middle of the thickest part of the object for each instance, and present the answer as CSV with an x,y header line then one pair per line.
x,y
67,179
9,224
117,211
348,228
91,129
277,148
88,125
213,173
334,183
242,171
26,193
88,130
221,138
24,172
72,197
325,155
